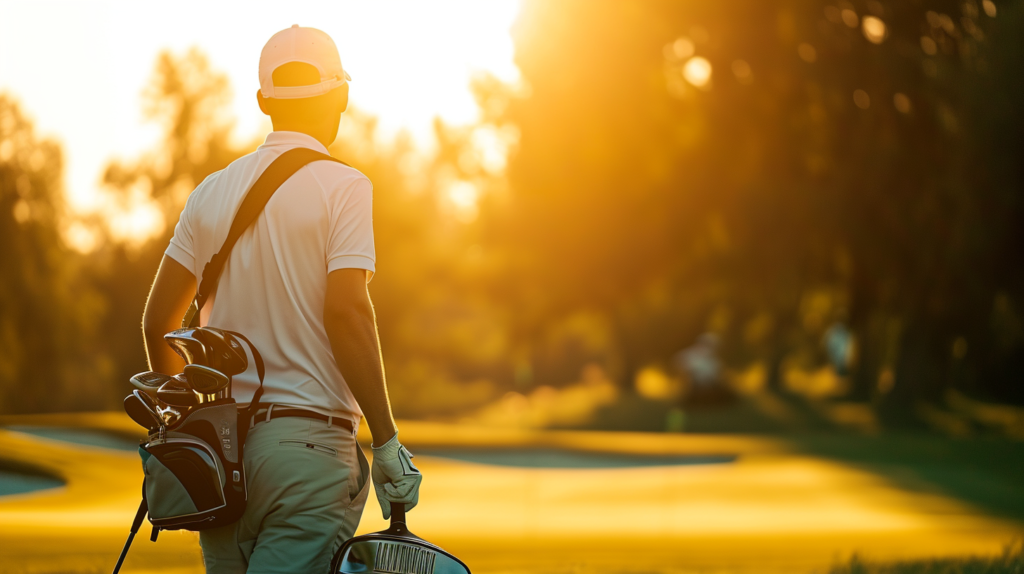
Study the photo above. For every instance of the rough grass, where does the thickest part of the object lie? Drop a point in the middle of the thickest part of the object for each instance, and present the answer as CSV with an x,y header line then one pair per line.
x,y
1010,562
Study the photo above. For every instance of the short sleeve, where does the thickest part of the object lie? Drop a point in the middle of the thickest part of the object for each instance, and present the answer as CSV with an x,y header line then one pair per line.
x,y
350,240
181,248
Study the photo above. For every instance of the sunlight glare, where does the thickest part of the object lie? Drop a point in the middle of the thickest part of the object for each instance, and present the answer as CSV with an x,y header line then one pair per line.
x,y
849,18
874,29
491,146
682,48
81,238
464,195
697,71
136,221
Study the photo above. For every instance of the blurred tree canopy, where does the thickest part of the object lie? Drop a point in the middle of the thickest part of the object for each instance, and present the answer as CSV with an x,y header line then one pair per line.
x,y
728,166
759,170
47,320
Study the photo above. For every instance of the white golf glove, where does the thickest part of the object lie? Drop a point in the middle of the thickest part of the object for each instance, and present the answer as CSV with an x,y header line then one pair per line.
x,y
394,476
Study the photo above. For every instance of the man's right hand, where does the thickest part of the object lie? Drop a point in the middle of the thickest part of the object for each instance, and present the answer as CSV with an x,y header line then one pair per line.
x,y
395,478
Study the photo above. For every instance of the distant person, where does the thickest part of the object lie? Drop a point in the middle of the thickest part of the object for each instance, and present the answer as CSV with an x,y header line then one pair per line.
x,y
701,366
296,284
838,342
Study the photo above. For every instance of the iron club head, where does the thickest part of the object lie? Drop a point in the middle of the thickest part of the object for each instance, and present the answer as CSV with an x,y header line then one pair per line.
x,y
149,381
140,412
177,394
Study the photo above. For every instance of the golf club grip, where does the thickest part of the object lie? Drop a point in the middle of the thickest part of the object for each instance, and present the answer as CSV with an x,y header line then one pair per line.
x,y
397,513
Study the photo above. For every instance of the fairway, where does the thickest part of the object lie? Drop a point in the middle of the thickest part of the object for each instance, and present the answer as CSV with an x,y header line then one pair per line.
x,y
711,503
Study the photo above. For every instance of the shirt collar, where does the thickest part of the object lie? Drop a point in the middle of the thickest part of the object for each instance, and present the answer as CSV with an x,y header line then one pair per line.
x,y
293,139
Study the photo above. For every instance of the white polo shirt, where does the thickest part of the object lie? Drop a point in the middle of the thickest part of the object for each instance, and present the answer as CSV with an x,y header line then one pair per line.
x,y
273,286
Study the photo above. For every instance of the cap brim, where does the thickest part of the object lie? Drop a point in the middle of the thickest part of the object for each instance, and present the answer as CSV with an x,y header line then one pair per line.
x,y
311,91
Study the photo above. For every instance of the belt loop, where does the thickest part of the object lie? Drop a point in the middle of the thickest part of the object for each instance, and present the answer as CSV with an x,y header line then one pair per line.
x,y
270,412
330,420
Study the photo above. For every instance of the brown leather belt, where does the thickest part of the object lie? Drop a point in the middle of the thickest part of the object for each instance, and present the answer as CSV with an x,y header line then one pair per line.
x,y
277,413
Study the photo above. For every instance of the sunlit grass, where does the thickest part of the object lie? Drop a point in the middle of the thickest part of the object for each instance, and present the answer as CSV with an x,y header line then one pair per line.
x,y
1010,562
774,509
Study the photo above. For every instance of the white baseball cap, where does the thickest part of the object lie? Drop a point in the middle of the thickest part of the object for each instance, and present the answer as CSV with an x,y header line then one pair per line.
x,y
306,45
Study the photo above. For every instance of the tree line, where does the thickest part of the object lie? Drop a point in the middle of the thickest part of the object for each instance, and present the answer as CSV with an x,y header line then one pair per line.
x,y
760,170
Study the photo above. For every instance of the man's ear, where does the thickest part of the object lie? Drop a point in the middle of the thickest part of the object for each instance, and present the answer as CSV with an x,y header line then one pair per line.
x,y
262,102
343,101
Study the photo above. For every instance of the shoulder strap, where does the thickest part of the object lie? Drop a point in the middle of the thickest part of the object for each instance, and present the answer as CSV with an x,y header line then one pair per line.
x,y
252,205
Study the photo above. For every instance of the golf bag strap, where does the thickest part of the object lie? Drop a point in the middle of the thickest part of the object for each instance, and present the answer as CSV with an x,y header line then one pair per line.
x,y
252,205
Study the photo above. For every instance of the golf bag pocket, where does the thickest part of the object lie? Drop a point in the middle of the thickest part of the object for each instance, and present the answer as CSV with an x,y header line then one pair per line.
x,y
181,481
194,479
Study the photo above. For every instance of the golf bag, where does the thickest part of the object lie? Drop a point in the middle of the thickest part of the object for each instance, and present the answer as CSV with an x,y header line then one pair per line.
x,y
194,479
194,473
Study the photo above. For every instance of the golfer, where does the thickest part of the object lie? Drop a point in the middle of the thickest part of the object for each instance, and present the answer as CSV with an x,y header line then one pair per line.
x,y
296,285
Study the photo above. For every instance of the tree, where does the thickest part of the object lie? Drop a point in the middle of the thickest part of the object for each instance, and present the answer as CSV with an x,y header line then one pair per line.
x,y
691,166
189,99
47,313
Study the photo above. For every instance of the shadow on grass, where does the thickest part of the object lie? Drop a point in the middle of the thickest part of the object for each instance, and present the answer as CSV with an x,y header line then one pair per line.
x,y
1011,562
985,472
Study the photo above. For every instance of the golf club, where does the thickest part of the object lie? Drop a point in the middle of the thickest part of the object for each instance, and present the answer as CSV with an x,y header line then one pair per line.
x,y
149,401
210,383
184,343
183,381
177,394
149,381
141,413
225,352
170,415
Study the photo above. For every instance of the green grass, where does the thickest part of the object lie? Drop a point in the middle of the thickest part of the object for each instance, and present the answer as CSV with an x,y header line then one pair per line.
x,y
987,473
1011,562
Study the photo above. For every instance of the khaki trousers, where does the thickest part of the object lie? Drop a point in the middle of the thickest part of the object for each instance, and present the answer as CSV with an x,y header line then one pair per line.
x,y
307,484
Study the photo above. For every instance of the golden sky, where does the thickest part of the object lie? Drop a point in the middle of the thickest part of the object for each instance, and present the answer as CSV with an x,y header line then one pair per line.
x,y
79,68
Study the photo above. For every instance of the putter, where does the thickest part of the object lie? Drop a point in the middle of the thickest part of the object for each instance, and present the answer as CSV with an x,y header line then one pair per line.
x,y
394,550
208,382
184,343
149,381
141,413
177,393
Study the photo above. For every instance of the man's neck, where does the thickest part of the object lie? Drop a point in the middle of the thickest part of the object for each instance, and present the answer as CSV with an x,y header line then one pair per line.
x,y
318,133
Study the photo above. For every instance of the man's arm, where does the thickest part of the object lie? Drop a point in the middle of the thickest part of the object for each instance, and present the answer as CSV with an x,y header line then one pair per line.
x,y
169,298
352,329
